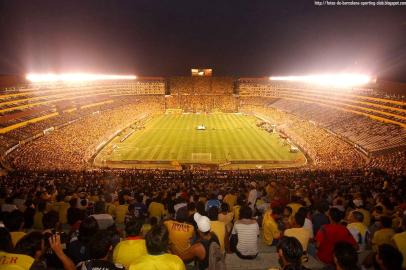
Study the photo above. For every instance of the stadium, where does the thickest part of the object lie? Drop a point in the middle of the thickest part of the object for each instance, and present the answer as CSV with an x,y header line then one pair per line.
x,y
200,122
136,135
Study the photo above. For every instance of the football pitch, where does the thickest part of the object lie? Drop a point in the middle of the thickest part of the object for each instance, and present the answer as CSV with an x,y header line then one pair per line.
x,y
230,140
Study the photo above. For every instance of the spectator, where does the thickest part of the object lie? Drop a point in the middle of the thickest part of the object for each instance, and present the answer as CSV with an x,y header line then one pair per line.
x,y
8,205
329,235
247,231
39,213
140,209
158,258
320,217
103,219
78,247
14,222
213,201
290,253
399,240
121,210
230,199
218,227
388,258
297,231
29,251
61,206
384,233
204,249
156,208
133,247
358,229
236,209
295,205
345,256
308,224
180,232
359,206
51,222
271,230
75,215
99,249
51,226
226,216
252,196
6,245
29,213
287,217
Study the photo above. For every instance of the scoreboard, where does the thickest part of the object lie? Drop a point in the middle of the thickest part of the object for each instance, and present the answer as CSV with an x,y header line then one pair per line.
x,y
205,72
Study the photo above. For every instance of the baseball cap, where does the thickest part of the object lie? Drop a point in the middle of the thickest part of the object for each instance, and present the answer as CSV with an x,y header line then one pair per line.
x,y
203,222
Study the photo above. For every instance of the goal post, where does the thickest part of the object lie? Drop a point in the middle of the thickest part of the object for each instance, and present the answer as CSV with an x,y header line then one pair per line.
x,y
201,157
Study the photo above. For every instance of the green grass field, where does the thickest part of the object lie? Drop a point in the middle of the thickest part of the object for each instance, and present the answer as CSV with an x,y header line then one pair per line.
x,y
228,138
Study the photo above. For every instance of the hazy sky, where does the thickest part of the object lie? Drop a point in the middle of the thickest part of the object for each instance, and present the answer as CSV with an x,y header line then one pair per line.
x,y
168,37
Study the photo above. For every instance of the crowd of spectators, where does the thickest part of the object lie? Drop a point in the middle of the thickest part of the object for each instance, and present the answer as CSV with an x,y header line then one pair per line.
x,y
25,132
368,133
173,220
78,141
344,210
202,94
326,150
202,103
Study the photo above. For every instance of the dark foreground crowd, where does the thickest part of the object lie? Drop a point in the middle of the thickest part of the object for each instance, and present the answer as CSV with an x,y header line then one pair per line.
x,y
185,220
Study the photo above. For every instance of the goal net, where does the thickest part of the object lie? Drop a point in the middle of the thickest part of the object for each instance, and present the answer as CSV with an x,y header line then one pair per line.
x,y
201,157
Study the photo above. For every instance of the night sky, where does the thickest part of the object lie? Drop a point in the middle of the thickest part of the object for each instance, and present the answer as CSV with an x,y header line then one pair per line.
x,y
168,37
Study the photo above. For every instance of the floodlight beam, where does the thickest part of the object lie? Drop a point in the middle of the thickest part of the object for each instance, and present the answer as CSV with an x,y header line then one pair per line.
x,y
75,77
337,80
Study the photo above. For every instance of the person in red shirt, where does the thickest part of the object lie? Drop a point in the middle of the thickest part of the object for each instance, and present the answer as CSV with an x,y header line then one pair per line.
x,y
330,234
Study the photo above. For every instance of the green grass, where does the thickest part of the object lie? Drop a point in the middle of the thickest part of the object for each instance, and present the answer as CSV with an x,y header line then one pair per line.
x,y
228,137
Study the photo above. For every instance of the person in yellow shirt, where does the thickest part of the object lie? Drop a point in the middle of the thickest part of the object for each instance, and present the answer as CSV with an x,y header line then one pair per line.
x,y
180,232
236,212
295,205
61,206
39,213
237,207
133,247
358,229
287,216
271,190
14,222
156,209
271,232
358,203
157,241
121,212
218,227
227,217
399,241
110,207
9,259
384,234
230,199
297,231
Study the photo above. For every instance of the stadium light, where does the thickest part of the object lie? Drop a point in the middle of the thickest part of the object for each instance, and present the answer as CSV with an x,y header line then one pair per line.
x,y
75,77
335,80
